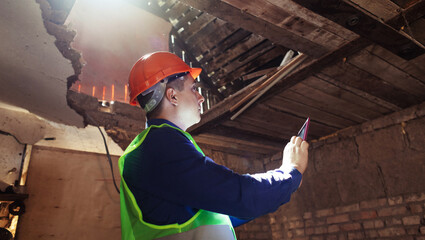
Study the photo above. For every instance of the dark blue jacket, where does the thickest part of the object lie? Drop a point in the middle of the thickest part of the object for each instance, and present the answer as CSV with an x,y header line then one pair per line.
x,y
170,180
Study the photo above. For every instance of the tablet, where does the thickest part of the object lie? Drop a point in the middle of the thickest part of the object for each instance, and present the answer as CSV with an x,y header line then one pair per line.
x,y
304,130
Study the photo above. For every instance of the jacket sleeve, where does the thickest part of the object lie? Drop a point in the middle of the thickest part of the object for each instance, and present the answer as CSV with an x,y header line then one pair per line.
x,y
177,172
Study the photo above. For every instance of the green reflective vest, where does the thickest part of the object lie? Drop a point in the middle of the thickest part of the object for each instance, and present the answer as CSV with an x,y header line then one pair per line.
x,y
203,225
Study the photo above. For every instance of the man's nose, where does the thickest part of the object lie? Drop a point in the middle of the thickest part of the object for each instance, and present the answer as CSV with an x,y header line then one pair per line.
x,y
201,98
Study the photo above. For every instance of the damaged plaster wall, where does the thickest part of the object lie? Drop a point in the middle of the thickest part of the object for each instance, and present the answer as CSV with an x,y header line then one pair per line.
x,y
32,70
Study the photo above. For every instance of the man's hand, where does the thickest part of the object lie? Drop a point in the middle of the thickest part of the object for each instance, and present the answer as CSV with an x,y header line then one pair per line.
x,y
295,154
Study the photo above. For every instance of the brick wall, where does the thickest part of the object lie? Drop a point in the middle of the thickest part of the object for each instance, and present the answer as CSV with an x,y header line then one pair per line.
x,y
364,182
399,217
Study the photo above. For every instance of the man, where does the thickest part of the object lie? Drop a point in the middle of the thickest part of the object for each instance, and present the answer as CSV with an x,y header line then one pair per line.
x,y
169,188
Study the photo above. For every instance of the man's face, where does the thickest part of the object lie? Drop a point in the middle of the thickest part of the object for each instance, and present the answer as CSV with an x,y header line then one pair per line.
x,y
190,102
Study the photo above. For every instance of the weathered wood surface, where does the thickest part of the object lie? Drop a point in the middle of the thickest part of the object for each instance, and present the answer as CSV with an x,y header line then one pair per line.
x,y
276,34
366,25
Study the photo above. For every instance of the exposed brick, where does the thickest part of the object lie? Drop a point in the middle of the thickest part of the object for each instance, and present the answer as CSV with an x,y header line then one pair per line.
x,y
373,203
392,221
415,208
331,237
299,233
295,224
325,212
308,215
311,223
378,223
320,230
415,197
333,228
294,218
422,230
411,220
412,230
300,238
262,235
317,238
342,236
420,238
391,232
395,200
309,231
391,211
349,208
355,235
363,215
368,225
351,226
289,234
338,219
371,234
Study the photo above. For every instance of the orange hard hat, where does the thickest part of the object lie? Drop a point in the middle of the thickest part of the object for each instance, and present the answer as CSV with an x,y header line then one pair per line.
x,y
152,68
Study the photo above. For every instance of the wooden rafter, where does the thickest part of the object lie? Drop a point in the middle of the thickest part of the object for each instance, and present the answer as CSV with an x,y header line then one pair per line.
x,y
356,19
258,26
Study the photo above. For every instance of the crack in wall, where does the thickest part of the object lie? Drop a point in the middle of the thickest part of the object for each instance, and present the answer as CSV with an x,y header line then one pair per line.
x,y
53,20
382,179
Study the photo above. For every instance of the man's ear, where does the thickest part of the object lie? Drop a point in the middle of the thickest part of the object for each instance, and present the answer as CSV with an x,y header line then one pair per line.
x,y
171,95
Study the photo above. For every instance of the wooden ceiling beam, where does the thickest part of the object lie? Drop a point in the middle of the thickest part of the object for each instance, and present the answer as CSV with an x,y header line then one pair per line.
x,y
409,15
259,26
351,16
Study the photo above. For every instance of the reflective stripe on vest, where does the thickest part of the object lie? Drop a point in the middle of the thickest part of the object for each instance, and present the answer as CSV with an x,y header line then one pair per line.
x,y
203,225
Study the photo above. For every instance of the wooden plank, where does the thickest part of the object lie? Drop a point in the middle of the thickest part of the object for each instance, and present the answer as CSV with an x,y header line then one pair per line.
x,y
311,66
282,122
287,104
389,73
384,10
357,78
415,67
230,54
243,65
256,62
249,126
365,95
413,13
188,17
278,16
321,22
366,25
404,3
348,109
176,11
167,4
333,90
258,73
224,43
210,36
196,25
259,26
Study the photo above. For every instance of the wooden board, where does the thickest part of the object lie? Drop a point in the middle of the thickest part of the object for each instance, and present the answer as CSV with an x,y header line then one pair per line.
x,y
388,72
239,17
293,23
208,37
224,43
196,25
357,78
243,65
244,46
